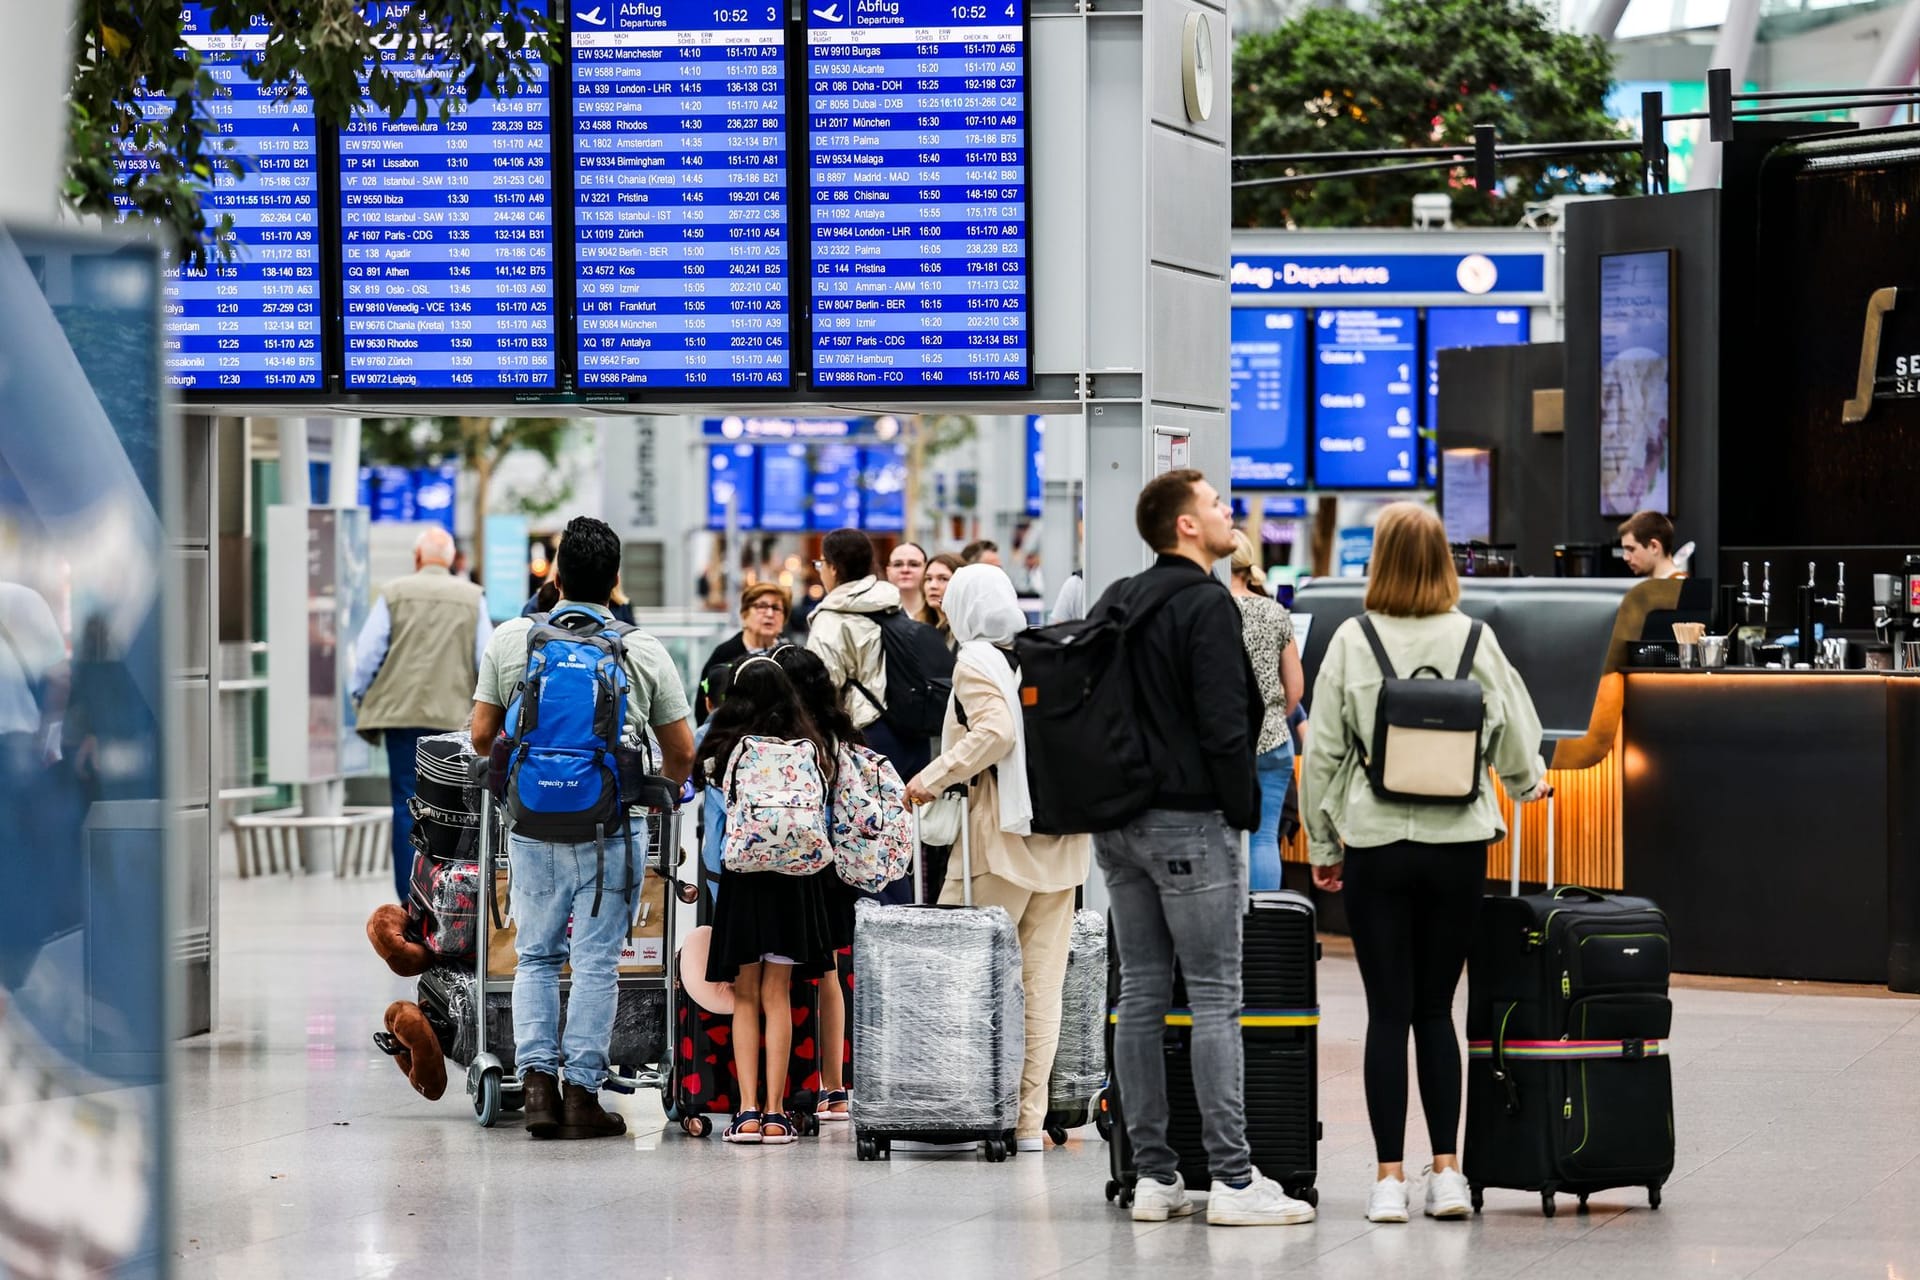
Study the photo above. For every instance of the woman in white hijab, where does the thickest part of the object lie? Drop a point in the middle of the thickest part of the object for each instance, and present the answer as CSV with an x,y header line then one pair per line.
x,y
983,745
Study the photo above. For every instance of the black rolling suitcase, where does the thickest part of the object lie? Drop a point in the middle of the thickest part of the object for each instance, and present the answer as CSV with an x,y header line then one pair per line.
x,y
1280,1032
1568,1084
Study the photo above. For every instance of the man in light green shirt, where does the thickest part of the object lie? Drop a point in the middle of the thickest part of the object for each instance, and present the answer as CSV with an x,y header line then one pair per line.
x,y
557,885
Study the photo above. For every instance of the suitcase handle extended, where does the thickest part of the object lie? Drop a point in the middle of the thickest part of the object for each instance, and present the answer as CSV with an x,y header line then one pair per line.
x,y
959,791
1513,858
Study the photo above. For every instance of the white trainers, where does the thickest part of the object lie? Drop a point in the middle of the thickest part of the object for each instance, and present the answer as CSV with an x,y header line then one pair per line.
x,y
1388,1203
1156,1201
1029,1144
1447,1194
1261,1203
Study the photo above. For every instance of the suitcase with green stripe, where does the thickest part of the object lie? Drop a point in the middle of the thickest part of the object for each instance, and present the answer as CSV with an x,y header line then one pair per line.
x,y
1569,1088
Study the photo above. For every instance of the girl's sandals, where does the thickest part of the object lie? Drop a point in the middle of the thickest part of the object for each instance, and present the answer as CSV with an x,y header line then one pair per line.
x,y
829,1100
740,1132
777,1130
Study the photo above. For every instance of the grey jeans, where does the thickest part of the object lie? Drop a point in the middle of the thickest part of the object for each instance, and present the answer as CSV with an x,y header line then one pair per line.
x,y
1178,888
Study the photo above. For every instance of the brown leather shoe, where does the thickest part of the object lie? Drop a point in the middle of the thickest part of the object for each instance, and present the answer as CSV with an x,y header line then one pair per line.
x,y
581,1115
543,1103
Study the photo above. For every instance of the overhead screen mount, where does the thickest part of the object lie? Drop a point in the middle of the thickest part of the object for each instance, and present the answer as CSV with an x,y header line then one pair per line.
x,y
634,227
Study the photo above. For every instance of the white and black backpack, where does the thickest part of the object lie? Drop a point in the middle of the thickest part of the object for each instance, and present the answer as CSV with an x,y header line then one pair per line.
x,y
1427,730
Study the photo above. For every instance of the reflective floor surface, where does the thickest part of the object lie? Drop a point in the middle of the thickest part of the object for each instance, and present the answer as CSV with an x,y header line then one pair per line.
x,y
303,1153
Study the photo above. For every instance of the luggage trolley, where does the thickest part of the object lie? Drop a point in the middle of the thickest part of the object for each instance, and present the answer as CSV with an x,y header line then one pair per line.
x,y
496,1089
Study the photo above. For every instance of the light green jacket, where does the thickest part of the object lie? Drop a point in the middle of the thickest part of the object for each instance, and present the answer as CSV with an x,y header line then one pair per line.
x,y
1339,807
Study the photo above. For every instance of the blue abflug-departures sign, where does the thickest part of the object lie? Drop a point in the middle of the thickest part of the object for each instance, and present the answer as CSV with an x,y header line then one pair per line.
x,y
447,245
680,194
253,322
917,185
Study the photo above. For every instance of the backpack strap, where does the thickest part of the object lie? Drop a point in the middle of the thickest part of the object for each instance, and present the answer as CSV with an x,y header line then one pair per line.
x,y
1473,643
1380,650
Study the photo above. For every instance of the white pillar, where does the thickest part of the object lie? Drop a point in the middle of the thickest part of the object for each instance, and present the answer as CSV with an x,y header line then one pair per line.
x,y
1605,18
1734,51
344,487
35,61
326,798
296,488
1898,60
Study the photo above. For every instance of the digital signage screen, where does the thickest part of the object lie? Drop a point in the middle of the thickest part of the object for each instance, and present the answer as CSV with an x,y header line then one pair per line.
x,y
447,251
733,477
883,486
836,488
1636,382
917,185
680,195
785,486
1464,327
252,322
1267,405
1364,399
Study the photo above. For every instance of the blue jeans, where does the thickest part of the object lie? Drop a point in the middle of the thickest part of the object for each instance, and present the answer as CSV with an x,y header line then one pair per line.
x,y
403,779
553,884
1263,845
1177,888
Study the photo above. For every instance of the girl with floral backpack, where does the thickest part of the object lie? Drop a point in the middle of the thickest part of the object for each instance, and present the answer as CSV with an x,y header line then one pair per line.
x,y
773,916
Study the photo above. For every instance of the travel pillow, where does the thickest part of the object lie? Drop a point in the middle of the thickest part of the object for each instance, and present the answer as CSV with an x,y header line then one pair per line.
x,y
417,1049
405,954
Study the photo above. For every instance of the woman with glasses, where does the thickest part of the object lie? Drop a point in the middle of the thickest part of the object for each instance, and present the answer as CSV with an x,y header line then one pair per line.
x,y
907,571
764,609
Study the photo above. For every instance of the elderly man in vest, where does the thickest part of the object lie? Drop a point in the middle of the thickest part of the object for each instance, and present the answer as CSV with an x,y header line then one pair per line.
x,y
414,668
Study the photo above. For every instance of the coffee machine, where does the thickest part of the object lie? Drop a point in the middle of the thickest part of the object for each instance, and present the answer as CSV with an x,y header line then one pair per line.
x,y
1896,613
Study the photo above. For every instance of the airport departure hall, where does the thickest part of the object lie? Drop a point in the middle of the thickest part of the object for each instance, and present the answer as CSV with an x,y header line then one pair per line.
x,y
1039,638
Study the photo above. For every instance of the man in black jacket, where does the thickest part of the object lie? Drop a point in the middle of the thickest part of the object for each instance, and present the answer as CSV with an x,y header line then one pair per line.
x,y
1177,874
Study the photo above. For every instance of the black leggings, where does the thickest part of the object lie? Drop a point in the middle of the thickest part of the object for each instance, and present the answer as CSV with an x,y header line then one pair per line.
x,y
1411,908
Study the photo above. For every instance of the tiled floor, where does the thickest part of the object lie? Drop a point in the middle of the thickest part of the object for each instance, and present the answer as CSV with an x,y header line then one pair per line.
x,y
303,1153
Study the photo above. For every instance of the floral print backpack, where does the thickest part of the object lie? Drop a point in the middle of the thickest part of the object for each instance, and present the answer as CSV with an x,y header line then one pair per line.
x,y
776,808
871,829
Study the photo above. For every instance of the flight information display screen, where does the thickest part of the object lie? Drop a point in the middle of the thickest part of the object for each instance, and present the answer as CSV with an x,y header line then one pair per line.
x,y
680,194
917,185
1267,401
1464,327
252,322
447,242
1364,435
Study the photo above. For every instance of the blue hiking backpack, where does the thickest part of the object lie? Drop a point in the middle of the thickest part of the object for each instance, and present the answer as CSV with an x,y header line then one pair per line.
x,y
565,723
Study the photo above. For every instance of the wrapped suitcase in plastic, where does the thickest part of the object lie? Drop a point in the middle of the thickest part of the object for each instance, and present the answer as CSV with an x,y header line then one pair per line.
x,y
939,1023
444,902
1280,1034
444,763
1080,1063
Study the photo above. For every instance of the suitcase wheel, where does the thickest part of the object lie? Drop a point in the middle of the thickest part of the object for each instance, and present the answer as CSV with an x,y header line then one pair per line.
x,y
1113,1190
809,1125
997,1150
867,1148
1653,1198
1583,1202
1546,1203
1058,1136
1479,1198
697,1126
1309,1194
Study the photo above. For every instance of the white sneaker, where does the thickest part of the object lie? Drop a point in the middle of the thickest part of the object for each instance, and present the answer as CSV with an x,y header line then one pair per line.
x,y
1029,1144
1388,1203
1261,1203
1447,1194
1156,1201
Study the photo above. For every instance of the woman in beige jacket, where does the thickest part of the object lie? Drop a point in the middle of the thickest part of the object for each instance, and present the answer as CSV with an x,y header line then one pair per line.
x,y
984,745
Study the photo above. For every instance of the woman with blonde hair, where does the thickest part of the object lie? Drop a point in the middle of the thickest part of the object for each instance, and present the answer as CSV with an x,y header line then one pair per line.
x,y
1267,629
1412,874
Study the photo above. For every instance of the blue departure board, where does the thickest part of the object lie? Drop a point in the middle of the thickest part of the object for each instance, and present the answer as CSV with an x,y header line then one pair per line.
x,y
917,180
1364,399
447,241
1267,401
883,489
836,488
251,322
680,194
785,484
733,476
1464,327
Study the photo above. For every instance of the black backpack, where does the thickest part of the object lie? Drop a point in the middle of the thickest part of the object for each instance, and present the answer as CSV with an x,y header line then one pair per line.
x,y
1428,731
1088,763
919,669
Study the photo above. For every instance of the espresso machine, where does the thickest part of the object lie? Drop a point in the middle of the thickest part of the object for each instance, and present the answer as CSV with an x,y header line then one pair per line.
x,y
1896,613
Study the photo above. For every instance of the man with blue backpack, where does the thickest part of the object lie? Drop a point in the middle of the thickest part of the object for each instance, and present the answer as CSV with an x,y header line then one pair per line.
x,y
572,692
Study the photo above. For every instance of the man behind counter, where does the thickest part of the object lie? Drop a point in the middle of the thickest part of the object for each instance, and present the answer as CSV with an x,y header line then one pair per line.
x,y
1647,539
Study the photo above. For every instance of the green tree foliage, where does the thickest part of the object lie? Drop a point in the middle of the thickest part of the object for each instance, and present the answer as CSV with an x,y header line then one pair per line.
x,y
126,47
1419,73
477,445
